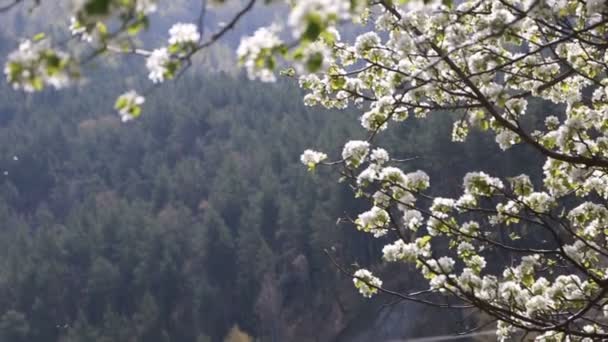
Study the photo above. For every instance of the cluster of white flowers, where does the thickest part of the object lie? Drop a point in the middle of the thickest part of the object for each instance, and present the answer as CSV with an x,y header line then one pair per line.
x,y
400,251
146,6
413,181
412,219
161,63
466,201
521,185
443,265
589,220
35,65
375,221
311,158
492,65
576,251
354,152
321,11
255,53
417,180
357,152
366,42
441,207
392,65
376,118
184,33
157,64
506,138
540,202
393,175
517,107
367,176
366,282
129,105
470,228
481,184
77,29
379,156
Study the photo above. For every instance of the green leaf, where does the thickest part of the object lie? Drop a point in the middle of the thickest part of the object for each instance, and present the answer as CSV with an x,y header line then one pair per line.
x,y
314,28
97,7
424,240
337,83
513,236
282,49
102,29
14,69
270,62
135,111
328,37
37,83
120,103
174,49
288,72
314,62
134,29
137,26
38,37
528,280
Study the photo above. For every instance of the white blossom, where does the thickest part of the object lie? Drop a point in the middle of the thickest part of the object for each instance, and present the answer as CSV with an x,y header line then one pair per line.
x,y
366,282
446,264
77,29
379,155
576,251
481,184
325,10
184,33
35,65
312,158
412,219
355,151
538,304
157,65
476,262
254,49
465,248
366,42
401,251
393,175
128,105
146,6
374,221
539,201
506,139
417,180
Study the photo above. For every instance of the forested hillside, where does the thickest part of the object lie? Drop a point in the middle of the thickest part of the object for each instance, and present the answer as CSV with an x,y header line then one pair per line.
x,y
166,229
181,225
193,220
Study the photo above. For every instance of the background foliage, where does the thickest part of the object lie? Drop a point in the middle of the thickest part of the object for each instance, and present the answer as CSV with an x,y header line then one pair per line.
x,y
195,223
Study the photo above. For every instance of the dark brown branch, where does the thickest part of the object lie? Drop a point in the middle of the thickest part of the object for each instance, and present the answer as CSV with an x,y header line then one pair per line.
x,y
8,7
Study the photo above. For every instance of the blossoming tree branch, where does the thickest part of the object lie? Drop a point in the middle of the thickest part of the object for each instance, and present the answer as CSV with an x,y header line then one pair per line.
x,y
483,60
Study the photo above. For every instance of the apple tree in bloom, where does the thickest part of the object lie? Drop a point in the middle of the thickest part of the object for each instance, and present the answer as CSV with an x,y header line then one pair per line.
x,y
482,60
